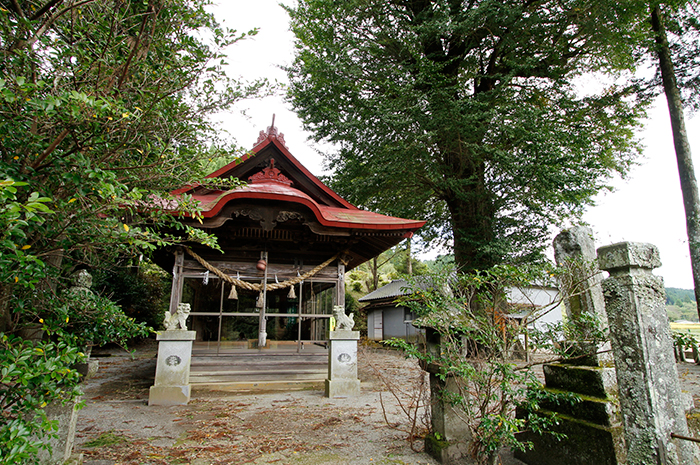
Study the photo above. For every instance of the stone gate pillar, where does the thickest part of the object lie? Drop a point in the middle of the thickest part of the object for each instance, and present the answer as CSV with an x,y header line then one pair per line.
x,y
587,372
647,377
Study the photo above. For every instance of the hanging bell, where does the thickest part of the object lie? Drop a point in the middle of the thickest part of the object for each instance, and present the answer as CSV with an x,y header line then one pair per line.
x,y
233,295
292,294
261,265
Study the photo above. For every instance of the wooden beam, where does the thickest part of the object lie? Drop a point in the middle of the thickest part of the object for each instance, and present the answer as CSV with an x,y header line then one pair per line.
x,y
176,289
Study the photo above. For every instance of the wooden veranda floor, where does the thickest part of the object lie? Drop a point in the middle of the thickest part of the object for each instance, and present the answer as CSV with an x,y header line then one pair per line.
x,y
255,369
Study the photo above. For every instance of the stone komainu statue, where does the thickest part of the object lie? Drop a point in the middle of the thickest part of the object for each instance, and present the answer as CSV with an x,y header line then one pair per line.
x,y
343,321
172,322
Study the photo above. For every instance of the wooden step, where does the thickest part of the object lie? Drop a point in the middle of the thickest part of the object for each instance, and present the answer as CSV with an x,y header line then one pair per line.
x,y
259,371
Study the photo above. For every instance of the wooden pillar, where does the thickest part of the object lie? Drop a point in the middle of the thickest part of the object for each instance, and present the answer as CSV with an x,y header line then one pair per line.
x,y
341,284
176,289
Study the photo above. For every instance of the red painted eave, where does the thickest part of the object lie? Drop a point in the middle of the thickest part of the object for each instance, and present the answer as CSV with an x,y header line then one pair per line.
x,y
343,215
334,217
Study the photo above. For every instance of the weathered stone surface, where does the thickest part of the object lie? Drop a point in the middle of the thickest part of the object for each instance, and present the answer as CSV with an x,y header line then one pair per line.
x,y
342,387
589,409
171,386
650,397
589,372
451,437
342,364
585,444
586,380
577,244
447,452
66,417
627,255
169,395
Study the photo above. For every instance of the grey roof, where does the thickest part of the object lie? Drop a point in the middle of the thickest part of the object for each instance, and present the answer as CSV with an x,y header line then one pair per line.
x,y
396,288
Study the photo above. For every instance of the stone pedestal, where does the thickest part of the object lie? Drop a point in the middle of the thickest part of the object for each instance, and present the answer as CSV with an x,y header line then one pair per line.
x,y
61,446
593,420
450,439
342,364
172,383
588,372
650,396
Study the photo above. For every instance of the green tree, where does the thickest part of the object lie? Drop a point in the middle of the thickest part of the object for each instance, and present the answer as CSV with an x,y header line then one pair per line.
x,y
467,113
102,105
684,51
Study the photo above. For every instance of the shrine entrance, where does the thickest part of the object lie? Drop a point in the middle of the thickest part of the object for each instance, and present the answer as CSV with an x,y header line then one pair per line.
x,y
292,320
285,241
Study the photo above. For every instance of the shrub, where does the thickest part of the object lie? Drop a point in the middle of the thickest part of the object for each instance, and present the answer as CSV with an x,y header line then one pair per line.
x,y
477,337
33,375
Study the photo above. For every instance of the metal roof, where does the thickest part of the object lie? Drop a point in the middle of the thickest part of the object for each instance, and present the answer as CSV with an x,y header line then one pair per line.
x,y
396,288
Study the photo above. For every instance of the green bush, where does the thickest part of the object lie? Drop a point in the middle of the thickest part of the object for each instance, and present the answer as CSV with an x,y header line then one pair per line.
x,y
33,375
477,338
143,294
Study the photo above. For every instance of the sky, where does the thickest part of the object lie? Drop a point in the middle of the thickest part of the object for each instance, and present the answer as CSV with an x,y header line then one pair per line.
x,y
645,207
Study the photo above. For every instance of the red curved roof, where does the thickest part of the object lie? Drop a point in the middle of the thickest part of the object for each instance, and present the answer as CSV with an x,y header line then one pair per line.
x,y
355,218
295,184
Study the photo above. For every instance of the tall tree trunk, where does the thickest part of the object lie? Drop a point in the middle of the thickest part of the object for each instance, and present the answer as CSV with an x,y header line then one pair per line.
x,y
472,215
375,274
409,263
689,186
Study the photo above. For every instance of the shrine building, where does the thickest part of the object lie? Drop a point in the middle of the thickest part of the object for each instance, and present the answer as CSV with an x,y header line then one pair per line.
x,y
287,242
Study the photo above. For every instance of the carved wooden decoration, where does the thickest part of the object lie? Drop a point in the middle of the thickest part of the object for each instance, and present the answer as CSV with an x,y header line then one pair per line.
x,y
270,174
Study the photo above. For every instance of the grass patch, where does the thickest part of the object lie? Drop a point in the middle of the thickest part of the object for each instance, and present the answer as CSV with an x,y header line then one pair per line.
x,y
106,439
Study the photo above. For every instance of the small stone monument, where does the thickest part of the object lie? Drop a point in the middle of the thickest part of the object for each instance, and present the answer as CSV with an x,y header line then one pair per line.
x,y
588,372
342,357
172,383
650,395
450,440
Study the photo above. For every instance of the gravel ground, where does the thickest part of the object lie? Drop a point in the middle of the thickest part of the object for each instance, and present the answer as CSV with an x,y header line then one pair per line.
x,y
298,427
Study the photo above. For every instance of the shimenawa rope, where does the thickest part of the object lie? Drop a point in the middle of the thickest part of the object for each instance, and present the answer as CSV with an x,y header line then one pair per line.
x,y
258,286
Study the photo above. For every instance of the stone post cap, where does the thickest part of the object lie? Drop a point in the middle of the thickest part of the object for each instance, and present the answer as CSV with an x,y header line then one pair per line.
x,y
176,335
628,255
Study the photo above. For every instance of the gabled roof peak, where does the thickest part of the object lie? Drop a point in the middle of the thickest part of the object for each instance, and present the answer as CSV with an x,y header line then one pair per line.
x,y
271,133
270,174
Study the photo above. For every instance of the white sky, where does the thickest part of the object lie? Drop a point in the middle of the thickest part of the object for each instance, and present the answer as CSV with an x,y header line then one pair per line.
x,y
646,207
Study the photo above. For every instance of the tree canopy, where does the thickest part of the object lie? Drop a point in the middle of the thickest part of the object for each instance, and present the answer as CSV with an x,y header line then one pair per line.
x,y
468,114
104,107
102,104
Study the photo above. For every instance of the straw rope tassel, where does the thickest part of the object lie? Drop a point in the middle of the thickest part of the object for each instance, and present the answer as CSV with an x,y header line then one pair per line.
x,y
233,295
258,287
292,294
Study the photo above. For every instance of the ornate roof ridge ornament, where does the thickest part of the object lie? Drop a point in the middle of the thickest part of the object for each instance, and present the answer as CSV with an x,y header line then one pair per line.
x,y
272,132
270,174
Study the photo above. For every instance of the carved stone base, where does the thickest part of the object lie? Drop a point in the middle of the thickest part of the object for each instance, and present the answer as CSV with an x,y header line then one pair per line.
x,y
342,387
171,386
342,364
169,395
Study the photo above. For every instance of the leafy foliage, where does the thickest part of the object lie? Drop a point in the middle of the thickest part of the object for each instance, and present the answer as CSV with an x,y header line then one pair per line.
x,y
143,294
467,114
33,375
477,338
104,107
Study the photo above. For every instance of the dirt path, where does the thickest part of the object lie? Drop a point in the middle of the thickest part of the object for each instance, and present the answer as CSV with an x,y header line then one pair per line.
x,y
300,427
